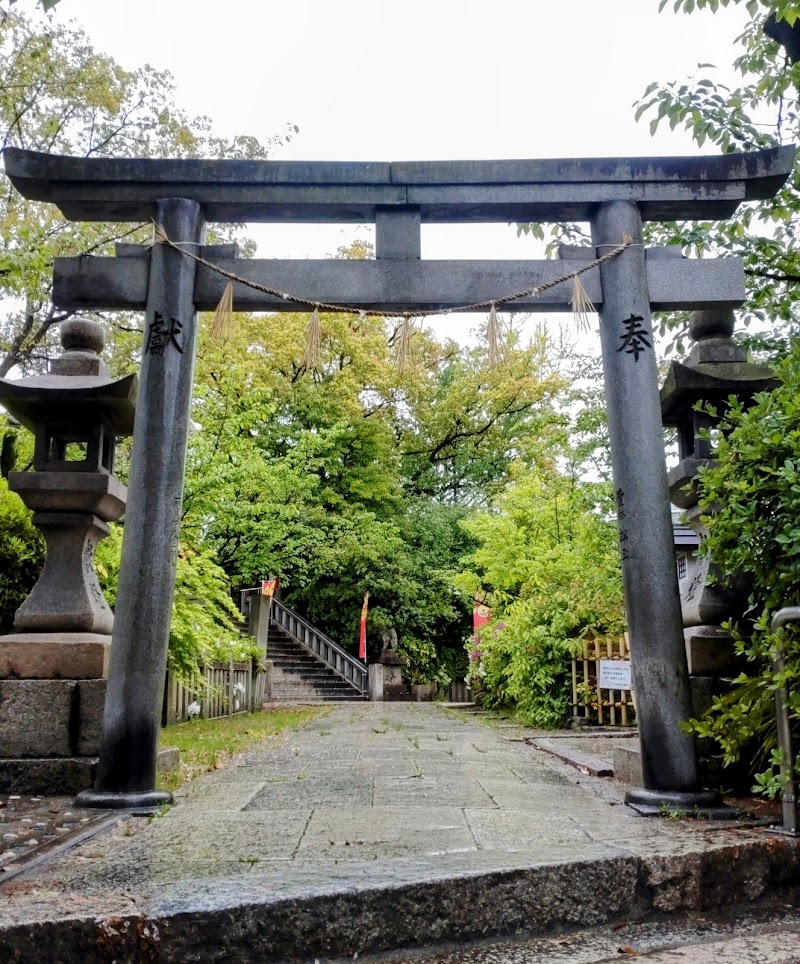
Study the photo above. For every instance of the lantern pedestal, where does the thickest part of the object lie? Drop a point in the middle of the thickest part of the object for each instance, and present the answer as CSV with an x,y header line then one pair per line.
x,y
75,656
71,509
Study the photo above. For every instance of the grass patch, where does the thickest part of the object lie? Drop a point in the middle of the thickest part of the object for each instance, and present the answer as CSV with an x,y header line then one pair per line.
x,y
209,744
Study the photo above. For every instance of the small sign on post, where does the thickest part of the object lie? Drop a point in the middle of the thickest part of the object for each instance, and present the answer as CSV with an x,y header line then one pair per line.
x,y
614,674
269,588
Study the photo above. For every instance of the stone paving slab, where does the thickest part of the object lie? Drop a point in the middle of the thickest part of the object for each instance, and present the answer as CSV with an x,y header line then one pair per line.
x,y
360,832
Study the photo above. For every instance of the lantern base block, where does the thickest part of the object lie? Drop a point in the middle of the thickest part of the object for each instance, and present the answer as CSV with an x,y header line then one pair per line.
x,y
138,801
681,804
54,656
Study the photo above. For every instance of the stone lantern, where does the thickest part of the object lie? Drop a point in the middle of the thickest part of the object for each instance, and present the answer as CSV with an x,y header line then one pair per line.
x,y
53,668
717,367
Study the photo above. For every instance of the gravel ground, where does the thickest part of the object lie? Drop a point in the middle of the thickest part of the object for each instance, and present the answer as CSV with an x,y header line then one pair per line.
x,y
29,825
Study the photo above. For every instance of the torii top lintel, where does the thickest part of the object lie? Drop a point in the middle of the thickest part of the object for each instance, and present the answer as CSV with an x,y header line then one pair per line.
x,y
665,188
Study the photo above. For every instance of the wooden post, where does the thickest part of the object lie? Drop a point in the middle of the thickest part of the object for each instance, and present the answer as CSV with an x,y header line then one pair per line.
x,y
597,681
612,709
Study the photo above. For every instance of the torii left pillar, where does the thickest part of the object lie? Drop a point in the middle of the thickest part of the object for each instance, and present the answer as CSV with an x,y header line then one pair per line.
x,y
127,766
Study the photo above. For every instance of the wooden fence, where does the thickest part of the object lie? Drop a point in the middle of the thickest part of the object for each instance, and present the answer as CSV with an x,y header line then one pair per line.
x,y
458,692
606,706
220,689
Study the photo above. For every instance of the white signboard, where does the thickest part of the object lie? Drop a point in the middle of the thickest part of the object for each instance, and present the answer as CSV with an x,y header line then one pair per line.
x,y
614,674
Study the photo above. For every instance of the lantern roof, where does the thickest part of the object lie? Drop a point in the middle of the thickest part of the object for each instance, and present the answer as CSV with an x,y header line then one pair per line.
x,y
77,388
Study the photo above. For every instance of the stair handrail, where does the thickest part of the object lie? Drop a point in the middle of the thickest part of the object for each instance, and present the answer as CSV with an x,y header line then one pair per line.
x,y
330,652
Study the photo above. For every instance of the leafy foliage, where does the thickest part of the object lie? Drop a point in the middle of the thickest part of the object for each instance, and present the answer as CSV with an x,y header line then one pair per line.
x,y
205,622
21,555
465,423
547,556
354,478
58,95
761,112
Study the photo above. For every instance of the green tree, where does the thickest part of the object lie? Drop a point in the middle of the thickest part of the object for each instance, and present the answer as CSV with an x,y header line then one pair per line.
x,y
354,477
547,563
57,94
21,555
465,422
760,112
297,474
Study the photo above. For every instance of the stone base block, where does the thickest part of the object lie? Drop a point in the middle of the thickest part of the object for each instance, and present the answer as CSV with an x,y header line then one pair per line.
x,y
169,759
423,692
51,718
703,689
392,675
709,651
54,656
396,691
628,765
64,776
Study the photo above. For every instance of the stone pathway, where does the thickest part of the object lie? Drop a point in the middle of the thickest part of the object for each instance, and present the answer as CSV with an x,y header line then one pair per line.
x,y
375,827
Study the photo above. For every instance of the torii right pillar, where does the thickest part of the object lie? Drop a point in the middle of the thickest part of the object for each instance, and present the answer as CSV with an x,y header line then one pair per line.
x,y
652,601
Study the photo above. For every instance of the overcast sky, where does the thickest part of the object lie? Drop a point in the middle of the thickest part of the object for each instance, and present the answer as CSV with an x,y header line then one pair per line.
x,y
420,79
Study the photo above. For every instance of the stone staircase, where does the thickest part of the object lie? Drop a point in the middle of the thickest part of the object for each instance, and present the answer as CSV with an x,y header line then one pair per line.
x,y
297,676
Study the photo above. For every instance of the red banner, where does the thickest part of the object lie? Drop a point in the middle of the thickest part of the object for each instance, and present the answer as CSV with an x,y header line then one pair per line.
x,y
268,587
481,614
362,639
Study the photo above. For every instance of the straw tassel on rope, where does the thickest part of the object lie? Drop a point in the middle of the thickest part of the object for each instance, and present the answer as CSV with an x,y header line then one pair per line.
x,y
160,235
581,304
405,347
223,316
493,337
311,356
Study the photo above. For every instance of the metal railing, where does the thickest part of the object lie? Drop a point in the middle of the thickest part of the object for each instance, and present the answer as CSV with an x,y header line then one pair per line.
x,y
323,647
246,599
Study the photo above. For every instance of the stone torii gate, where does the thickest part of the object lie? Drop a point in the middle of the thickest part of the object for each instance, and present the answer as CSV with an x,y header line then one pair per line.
x,y
615,196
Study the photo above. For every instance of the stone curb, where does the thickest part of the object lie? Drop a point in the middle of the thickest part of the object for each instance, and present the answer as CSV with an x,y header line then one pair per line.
x,y
326,923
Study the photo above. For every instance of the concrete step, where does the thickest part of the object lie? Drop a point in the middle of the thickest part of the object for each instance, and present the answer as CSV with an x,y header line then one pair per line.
x,y
292,659
304,696
768,933
298,674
